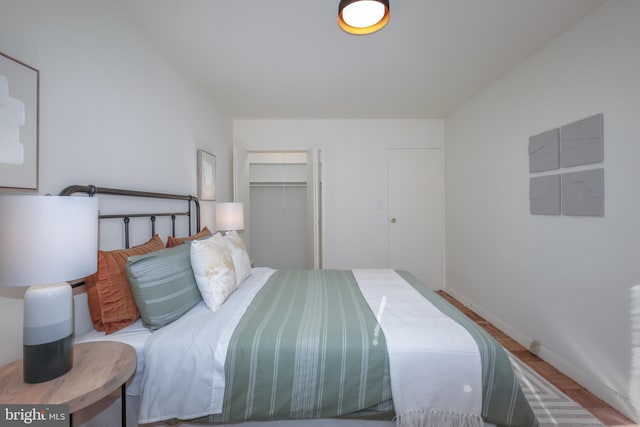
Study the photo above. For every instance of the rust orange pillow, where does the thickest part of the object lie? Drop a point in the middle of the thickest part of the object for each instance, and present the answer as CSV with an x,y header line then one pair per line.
x,y
175,241
111,303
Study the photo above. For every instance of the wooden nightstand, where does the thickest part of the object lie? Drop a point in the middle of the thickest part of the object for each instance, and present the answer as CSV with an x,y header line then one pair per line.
x,y
99,369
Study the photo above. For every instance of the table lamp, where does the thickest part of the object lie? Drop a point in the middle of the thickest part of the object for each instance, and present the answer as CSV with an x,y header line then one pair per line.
x,y
229,216
46,240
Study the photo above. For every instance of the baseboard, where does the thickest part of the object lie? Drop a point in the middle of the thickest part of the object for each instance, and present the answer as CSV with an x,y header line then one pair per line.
x,y
521,338
612,397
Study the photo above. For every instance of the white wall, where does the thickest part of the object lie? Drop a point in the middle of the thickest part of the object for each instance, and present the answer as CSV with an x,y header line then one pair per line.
x,y
564,281
114,112
354,175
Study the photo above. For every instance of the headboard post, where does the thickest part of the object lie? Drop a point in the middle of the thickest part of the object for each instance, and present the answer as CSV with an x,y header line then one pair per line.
x,y
126,220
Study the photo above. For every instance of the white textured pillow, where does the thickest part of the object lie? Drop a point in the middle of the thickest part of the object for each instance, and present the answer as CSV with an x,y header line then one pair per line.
x,y
239,254
213,269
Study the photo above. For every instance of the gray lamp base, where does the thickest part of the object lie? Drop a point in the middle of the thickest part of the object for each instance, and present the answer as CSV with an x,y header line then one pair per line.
x,y
44,362
48,330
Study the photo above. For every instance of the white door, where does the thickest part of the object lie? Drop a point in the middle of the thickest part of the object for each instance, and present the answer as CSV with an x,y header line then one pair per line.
x,y
416,213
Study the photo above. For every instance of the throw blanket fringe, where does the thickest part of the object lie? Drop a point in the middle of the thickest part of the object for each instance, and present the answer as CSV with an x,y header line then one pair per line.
x,y
438,419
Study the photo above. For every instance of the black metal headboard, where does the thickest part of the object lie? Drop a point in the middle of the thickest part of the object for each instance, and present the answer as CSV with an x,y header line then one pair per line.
x,y
193,206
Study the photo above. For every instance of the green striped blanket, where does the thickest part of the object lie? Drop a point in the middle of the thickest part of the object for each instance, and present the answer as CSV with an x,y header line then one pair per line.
x,y
309,346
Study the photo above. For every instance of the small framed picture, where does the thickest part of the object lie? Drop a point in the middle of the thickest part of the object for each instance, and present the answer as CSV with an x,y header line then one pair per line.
x,y
206,176
19,93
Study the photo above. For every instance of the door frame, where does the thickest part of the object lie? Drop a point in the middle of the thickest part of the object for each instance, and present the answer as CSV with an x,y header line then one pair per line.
x,y
315,191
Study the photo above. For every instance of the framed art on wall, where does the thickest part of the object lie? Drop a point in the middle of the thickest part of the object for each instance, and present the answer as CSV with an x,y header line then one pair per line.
x,y
19,121
206,176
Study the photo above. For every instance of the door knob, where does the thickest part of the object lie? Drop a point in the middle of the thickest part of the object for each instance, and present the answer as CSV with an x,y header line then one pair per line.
x,y
393,220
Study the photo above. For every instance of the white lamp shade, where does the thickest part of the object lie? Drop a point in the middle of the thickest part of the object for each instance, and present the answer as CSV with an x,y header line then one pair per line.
x,y
229,216
47,239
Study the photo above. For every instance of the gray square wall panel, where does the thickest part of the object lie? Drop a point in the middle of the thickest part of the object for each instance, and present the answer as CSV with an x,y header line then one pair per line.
x,y
544,151
583,193
544,195
582,142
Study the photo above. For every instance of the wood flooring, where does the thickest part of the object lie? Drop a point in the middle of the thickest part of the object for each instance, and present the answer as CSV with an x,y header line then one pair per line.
x,y
606,414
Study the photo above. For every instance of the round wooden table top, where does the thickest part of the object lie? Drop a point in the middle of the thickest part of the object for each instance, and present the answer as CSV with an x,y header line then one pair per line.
x,y
99,369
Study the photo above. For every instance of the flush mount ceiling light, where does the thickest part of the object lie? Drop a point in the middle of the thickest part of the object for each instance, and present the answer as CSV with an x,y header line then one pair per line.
x,y
363,16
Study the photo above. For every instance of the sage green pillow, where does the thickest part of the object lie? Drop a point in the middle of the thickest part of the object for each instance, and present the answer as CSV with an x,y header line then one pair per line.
x,y
163,285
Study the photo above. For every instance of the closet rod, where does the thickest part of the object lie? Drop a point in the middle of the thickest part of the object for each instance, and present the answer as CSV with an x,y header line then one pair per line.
x,y
278,184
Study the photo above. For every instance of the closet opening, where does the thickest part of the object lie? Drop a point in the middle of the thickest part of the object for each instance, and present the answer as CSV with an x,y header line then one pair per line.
x,y
285,209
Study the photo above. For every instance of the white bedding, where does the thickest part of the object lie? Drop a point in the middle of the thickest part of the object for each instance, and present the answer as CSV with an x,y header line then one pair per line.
x,y
137,336
436,372
191,384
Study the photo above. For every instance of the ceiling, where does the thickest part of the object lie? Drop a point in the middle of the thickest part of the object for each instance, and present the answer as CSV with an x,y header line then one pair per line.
x,y
281,59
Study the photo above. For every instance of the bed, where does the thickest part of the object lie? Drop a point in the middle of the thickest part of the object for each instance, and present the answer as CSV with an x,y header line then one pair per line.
x,y
313,347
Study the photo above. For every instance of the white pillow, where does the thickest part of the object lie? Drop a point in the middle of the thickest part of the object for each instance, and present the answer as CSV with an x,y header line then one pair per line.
x,y
239,254
213,269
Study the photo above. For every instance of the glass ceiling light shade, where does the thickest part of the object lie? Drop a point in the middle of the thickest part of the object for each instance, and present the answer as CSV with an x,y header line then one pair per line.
x,y
45,241
363,16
